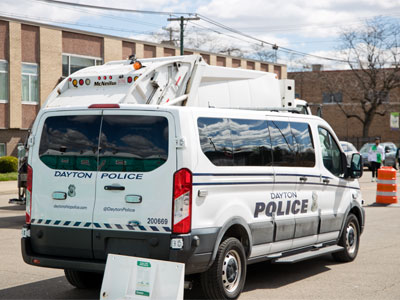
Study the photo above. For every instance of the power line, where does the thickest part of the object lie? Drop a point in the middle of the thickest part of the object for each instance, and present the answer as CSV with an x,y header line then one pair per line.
x,y
91,12
295,27
135,11
68,23
117,9
288,50
204,18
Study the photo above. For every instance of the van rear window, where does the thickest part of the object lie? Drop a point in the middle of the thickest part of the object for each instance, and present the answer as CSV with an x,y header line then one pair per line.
x,y
70,142
127,143
133,143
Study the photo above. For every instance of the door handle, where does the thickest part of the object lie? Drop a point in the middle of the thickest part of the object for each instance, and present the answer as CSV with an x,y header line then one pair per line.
x,y
303,179
114,188
326,180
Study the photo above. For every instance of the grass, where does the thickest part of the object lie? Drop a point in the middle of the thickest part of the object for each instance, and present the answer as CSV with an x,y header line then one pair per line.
x,y
8,176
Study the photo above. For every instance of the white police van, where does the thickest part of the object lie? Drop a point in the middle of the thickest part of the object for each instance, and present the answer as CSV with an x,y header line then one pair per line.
x,y
216,189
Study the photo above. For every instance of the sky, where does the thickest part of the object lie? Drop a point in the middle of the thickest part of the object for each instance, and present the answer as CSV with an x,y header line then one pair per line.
x,y
312,26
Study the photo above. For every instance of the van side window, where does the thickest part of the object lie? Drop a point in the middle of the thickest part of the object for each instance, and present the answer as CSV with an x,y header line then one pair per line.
x,y
133,143
330,152
216,141
283,147
70,142
251,142
304,142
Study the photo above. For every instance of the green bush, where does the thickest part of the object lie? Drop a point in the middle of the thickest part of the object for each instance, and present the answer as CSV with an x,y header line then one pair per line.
x,y
8,164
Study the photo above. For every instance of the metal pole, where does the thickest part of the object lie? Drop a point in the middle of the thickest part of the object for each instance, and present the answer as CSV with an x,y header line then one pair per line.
x,y
182,19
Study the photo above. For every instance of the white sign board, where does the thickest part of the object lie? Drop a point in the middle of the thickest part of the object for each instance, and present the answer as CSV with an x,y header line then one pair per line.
x,y
394,120
136,278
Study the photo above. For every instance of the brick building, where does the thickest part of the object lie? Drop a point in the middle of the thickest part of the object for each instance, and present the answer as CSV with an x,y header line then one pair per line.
x,y
328,87
34,57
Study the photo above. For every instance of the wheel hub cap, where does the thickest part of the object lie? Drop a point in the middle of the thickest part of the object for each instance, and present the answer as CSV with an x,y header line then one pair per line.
x,y
351,239
231,271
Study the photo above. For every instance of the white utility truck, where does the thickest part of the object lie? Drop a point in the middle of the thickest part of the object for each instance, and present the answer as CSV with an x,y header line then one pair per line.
x,y
152,160
181,81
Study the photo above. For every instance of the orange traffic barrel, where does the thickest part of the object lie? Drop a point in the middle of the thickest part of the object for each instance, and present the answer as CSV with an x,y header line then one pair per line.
x,y
386,191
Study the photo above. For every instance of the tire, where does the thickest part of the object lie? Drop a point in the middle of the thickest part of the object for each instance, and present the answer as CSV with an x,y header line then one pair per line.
x,y
226,277
84,280
349,240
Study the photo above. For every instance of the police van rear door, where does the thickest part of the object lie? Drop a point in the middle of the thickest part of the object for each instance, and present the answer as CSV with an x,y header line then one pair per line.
x,y
64,164
137,160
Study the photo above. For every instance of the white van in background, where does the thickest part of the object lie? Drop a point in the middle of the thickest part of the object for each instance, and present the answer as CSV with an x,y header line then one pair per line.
x,y
216,189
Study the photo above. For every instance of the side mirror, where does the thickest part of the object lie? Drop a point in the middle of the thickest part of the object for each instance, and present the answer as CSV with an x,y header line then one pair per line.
x,y
21,152
356,166
387,150
319,111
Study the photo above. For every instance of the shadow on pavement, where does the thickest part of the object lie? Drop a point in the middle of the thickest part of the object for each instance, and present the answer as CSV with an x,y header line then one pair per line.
x,y
272,276
12,207
266,276
259,276
56,288
59,288
15,222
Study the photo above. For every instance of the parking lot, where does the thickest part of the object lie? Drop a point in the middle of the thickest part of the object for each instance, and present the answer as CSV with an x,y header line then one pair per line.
x,y
375,274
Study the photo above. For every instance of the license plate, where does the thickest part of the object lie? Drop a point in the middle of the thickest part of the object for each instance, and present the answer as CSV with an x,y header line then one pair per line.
x,y
26,232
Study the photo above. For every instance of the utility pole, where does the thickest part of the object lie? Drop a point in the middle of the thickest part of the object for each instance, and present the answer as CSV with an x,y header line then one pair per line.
x,y
182,19
170,31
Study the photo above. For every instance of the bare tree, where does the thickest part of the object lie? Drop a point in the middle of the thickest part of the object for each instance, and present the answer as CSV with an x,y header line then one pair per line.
x,y
261,53
373,56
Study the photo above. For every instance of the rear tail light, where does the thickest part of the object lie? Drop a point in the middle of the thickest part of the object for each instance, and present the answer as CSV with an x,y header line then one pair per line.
x,y
28,212
182,202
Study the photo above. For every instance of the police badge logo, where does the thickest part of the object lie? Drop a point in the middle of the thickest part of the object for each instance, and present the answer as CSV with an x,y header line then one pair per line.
x,y
314,205
71,190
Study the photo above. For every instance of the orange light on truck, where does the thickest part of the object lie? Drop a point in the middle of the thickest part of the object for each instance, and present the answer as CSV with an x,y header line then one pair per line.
x,y
137,65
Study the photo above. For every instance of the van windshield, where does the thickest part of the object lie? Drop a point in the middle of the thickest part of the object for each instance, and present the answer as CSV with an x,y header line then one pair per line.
x,y
127,143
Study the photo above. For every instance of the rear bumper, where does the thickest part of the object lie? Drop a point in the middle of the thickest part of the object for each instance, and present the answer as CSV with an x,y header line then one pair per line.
x,y
195,254
41,260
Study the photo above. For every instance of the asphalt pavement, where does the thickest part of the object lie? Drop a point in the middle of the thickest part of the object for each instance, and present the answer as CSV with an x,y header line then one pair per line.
x,y
375,274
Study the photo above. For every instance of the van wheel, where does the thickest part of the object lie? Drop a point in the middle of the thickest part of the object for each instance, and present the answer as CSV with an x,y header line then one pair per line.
x,y
84,280
350,240
227,275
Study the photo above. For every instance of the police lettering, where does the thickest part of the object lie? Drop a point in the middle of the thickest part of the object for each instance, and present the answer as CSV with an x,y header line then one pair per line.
x,y
122,176
292,207
73,174
85,175
284,195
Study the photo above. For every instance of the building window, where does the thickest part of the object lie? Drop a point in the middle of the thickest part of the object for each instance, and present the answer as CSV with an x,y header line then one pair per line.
x,y
72,63
30,82
236,63
2,149
332,97
3,80
381,96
